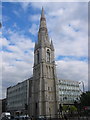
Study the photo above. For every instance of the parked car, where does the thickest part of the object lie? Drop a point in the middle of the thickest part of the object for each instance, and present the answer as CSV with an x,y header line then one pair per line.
x,y
5,116
41,118
22,117
12,118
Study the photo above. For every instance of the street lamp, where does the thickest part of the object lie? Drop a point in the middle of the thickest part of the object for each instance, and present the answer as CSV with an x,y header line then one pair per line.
x,y
82,85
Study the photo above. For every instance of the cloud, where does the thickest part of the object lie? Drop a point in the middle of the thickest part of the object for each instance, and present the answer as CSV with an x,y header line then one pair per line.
x,y
73,70
46,1
17,59
69,31
0,75
4,41
25,5
34,29
15,72
58,13
16,13
18,44
5,18
15,25
34,17
67,26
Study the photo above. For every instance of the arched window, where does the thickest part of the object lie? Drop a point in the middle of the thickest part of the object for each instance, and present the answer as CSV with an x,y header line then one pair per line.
x,y
48,55
37,57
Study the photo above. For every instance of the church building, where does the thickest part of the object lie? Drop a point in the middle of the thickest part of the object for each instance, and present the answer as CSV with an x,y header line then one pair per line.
x,y
43,100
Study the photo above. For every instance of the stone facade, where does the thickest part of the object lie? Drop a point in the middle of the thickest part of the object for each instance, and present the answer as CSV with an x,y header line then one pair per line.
x,y
43,101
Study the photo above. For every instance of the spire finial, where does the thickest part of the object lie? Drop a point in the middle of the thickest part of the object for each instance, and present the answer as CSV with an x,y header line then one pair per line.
x,y
52,47
42,13
42,20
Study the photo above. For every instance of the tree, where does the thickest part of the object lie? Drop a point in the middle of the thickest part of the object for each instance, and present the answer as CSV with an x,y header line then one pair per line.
x,y
65,108
85,99
73,108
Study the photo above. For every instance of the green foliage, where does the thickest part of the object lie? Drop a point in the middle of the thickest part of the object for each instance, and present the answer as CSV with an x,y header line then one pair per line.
x,y
65,107
73,108
70,108
85,99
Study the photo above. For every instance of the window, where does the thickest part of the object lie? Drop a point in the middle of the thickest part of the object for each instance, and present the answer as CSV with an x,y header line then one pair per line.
x,y
48,55
36,105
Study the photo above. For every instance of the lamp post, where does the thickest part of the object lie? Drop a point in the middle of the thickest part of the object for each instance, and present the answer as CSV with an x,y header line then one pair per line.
x,y
82,85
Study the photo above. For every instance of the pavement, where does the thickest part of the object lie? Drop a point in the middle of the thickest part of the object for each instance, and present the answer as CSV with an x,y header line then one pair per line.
x,y
76,118
73,118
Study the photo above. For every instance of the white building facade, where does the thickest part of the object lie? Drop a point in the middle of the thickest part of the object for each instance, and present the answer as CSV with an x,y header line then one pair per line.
x,y
69,91
18,97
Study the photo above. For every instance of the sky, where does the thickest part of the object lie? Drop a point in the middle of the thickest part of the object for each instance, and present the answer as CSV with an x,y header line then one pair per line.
x,y
67,24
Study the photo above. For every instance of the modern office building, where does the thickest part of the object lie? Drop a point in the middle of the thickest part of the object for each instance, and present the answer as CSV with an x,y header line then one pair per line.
x,y
17,97
69,91
3,105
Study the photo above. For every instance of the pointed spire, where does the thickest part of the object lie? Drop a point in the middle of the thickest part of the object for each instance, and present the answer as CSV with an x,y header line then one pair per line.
x,y
52,47
43,37
35,46
42,13
43,20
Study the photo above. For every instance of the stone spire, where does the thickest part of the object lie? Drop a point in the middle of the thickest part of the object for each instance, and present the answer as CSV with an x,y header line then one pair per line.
x,y
52,47
43,20
43,37
42,13
44,75
35,45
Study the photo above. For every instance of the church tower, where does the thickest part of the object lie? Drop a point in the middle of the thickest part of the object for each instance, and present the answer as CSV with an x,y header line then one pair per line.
x,y
43,100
